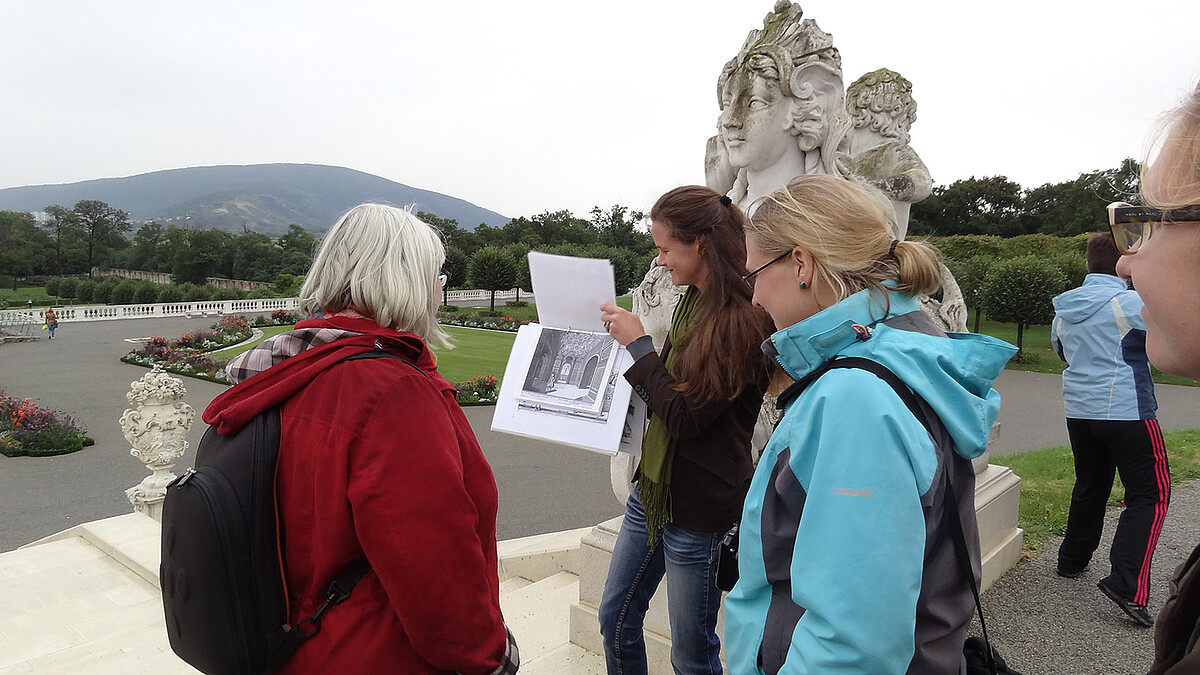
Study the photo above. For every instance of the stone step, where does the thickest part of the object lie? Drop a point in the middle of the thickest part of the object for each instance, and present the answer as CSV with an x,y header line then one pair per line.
x,y
565,660
539,614
513,584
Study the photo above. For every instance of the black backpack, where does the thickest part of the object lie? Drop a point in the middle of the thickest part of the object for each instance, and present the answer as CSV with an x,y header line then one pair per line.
x,y
222,570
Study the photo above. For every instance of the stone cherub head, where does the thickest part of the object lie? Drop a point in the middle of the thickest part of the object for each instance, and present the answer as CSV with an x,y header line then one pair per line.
x,y
782,108
882,110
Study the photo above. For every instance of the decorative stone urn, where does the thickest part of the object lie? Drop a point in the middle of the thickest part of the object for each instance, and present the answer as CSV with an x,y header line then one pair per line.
x,y
157,429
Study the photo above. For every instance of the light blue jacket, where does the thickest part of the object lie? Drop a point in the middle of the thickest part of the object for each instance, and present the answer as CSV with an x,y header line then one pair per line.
x,y
844,511
1098,330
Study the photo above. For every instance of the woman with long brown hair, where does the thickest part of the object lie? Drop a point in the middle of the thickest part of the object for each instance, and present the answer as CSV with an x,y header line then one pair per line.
x,y
704,392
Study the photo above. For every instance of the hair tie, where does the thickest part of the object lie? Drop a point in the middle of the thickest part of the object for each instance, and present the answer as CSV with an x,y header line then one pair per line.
x,y
892,250
725,200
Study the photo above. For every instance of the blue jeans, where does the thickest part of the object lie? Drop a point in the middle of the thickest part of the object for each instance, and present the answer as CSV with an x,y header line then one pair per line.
x,y
688,558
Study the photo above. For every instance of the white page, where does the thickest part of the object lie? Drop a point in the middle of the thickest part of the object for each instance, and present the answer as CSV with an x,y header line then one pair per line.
x,y
570,290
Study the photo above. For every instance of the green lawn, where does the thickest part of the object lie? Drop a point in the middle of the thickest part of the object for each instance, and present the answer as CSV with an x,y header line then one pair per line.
x,y
268,332
476,352
16,299
1047,477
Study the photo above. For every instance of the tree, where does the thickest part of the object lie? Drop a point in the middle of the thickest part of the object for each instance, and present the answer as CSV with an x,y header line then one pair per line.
x,y
970,275
298,240
493,269
1020,290
143,253
990,205
63,232
456,265
22,245
102,228
618,228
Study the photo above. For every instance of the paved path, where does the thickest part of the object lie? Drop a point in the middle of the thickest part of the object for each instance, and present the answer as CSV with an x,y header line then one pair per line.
x,y
543,487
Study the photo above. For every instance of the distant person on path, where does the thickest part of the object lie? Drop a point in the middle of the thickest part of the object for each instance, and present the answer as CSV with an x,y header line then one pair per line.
x,y
377,461
704,390
1109,399
51,321
1162,249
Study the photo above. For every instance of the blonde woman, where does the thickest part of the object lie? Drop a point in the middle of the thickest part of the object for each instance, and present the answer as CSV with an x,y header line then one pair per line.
x,y
846,564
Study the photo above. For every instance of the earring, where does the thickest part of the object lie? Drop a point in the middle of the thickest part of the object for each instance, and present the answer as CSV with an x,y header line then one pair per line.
x,y
803,285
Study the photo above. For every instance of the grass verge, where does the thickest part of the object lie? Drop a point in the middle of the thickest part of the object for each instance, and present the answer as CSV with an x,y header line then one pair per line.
x,y
1047,477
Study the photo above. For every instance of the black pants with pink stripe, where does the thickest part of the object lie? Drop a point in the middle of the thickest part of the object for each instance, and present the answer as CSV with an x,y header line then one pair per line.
x,y
1135,450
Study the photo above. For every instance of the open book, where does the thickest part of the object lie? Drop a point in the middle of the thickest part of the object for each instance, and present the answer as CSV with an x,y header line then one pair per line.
x,y
563,381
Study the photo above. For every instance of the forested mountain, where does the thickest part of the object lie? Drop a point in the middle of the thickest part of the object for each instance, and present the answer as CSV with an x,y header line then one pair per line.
x,y
262,198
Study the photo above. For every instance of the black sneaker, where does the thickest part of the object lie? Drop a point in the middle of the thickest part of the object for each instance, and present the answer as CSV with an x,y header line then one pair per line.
x,y
1136,612
1071,574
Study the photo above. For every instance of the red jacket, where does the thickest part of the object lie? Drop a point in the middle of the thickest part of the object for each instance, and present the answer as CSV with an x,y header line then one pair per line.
x,y
377,460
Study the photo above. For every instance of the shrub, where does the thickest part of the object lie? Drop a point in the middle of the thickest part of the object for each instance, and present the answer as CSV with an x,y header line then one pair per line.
x,y
122,293
145,293
1020,291
52,286
67,287
104,290
511,303
170,293
86,291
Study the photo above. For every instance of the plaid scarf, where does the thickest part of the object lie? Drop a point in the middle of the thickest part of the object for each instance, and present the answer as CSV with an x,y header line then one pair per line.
x,y
273,351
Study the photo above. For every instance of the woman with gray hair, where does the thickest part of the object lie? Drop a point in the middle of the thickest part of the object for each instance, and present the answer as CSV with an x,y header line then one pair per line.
x,y
377,462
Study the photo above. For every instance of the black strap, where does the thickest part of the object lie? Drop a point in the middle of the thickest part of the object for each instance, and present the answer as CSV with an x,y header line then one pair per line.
x,y
935,428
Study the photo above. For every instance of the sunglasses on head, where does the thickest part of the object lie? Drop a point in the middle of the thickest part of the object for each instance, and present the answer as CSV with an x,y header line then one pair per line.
x,y
1132,225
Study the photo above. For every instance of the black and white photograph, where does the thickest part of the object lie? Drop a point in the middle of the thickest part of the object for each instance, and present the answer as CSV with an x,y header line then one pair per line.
x,y
570,370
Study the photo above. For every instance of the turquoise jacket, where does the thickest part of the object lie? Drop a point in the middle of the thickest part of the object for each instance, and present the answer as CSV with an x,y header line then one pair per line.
x,y
845,566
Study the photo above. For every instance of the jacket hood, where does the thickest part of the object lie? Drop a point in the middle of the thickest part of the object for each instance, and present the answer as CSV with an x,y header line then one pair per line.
x,y
235,407
952,372
1080,304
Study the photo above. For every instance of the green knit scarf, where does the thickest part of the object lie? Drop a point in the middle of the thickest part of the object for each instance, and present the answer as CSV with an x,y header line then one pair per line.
x,y
658,448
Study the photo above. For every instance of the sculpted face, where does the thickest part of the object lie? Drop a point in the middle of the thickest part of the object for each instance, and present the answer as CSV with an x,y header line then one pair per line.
x,y
754,122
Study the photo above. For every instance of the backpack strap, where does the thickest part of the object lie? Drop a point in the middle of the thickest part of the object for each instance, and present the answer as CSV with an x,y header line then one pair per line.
x,y
934,426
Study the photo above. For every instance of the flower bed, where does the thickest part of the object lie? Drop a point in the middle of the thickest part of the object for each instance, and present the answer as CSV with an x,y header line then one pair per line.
x,y
186,354
279,317
481,390
29,429
505,323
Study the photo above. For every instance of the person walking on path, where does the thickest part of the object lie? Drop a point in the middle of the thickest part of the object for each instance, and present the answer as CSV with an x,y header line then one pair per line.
x,y
1161,244
1109,400
51,321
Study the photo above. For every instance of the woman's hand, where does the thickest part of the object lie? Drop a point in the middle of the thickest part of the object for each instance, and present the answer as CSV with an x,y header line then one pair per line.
x,y
624,326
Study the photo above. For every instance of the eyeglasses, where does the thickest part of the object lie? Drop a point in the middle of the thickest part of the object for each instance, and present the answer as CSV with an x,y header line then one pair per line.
x,y
1132,225
749,278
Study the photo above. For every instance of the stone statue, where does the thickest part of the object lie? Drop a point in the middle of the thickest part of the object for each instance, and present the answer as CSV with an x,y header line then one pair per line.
x,y
157,429
654,302
876,149
782,109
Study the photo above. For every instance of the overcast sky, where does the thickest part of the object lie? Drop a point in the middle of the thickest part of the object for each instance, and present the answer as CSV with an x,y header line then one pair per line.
x,y
527,106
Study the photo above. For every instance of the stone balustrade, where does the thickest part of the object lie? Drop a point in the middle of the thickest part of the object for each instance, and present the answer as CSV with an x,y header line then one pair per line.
x,y
201,308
